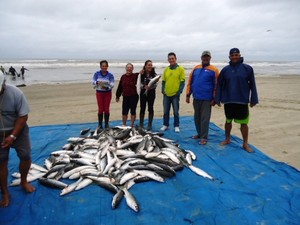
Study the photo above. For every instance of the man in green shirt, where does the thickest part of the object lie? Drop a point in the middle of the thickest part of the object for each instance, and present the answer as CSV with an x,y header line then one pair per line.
x,y
173,81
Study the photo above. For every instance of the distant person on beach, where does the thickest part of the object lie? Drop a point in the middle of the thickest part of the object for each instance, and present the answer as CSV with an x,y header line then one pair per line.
x,y
147,94
173,81
127,88
14,133
103,82
236,89
202,85
22,71
2,70
13,72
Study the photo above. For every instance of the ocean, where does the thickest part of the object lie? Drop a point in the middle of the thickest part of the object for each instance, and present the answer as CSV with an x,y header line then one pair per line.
x,y
57,71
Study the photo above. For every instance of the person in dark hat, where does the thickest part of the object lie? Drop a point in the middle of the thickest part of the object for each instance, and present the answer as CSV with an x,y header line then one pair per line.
x,y
14,133
202,85
236,89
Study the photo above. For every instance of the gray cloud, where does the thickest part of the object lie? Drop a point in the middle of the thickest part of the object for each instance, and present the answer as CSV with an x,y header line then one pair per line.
x,y
137,29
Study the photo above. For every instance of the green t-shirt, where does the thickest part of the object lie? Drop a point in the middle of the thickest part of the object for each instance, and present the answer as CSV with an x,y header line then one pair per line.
x,y
172,79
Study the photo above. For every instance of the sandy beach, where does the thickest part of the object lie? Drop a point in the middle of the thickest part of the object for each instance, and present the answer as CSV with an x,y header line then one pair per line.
x,y
274,123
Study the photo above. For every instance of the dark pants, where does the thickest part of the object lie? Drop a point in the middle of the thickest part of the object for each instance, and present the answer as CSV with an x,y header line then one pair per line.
x,y
202,113
21,144
129,103
144,99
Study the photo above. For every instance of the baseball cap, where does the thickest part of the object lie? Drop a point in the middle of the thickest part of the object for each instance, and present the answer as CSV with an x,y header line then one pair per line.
x,y
2,79
234,50
206,53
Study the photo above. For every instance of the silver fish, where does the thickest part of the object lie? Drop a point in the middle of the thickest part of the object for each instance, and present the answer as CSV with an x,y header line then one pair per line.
x,y
52,183
152,82
131,201
117,199
200,172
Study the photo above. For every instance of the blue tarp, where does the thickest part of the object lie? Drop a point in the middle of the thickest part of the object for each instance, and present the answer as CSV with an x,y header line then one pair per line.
x,y
249,188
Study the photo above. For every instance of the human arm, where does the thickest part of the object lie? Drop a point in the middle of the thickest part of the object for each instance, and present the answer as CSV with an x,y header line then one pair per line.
x,y
215,81
94,79
189,87
219,85
182,81
119,90
254,95
181,87
111,83
163,84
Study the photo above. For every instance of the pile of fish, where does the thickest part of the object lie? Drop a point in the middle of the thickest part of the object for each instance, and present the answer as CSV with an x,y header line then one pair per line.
x,y
116,159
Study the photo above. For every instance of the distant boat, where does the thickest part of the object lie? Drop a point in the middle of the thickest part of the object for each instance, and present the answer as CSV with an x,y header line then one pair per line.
x,y
21,85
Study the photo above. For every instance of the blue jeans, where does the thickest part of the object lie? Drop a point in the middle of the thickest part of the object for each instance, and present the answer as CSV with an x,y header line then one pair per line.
x,y
167,102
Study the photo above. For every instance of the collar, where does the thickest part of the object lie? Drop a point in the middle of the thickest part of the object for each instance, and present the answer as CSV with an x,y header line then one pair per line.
x,y
173,67
103,74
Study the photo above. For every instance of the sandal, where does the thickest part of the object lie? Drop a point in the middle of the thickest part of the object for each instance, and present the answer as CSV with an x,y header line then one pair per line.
x,y
203,142
196,137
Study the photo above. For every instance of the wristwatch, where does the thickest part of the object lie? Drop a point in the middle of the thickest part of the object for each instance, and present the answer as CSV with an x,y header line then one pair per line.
x,y
13,136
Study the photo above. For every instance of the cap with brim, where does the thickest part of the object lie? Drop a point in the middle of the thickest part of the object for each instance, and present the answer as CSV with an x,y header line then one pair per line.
x,y
233,51
2,79
206,53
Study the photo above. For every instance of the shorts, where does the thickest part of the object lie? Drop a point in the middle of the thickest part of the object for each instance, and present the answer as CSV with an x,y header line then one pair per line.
x,y
22,146
237,112
130,103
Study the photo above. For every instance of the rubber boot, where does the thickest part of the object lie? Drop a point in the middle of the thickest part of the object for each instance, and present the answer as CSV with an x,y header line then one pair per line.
x,y
106,119
142,120
150,119
100,119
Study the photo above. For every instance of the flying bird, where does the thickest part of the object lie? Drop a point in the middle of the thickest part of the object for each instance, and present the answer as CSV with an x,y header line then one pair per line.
x,y
268,30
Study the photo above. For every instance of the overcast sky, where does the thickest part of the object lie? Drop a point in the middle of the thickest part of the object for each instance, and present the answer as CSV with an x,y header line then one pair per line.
x,y
140,29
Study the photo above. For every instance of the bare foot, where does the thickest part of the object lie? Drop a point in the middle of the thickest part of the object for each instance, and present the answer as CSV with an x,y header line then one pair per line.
x,y
225,142
247,148
203,142
28,187
5,200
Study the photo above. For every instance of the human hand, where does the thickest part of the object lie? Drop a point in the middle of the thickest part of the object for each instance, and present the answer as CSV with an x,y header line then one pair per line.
x,y
252,105
7,142
187,99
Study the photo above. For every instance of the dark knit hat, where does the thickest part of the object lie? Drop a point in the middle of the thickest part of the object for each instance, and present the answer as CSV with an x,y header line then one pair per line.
x,y
234,50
